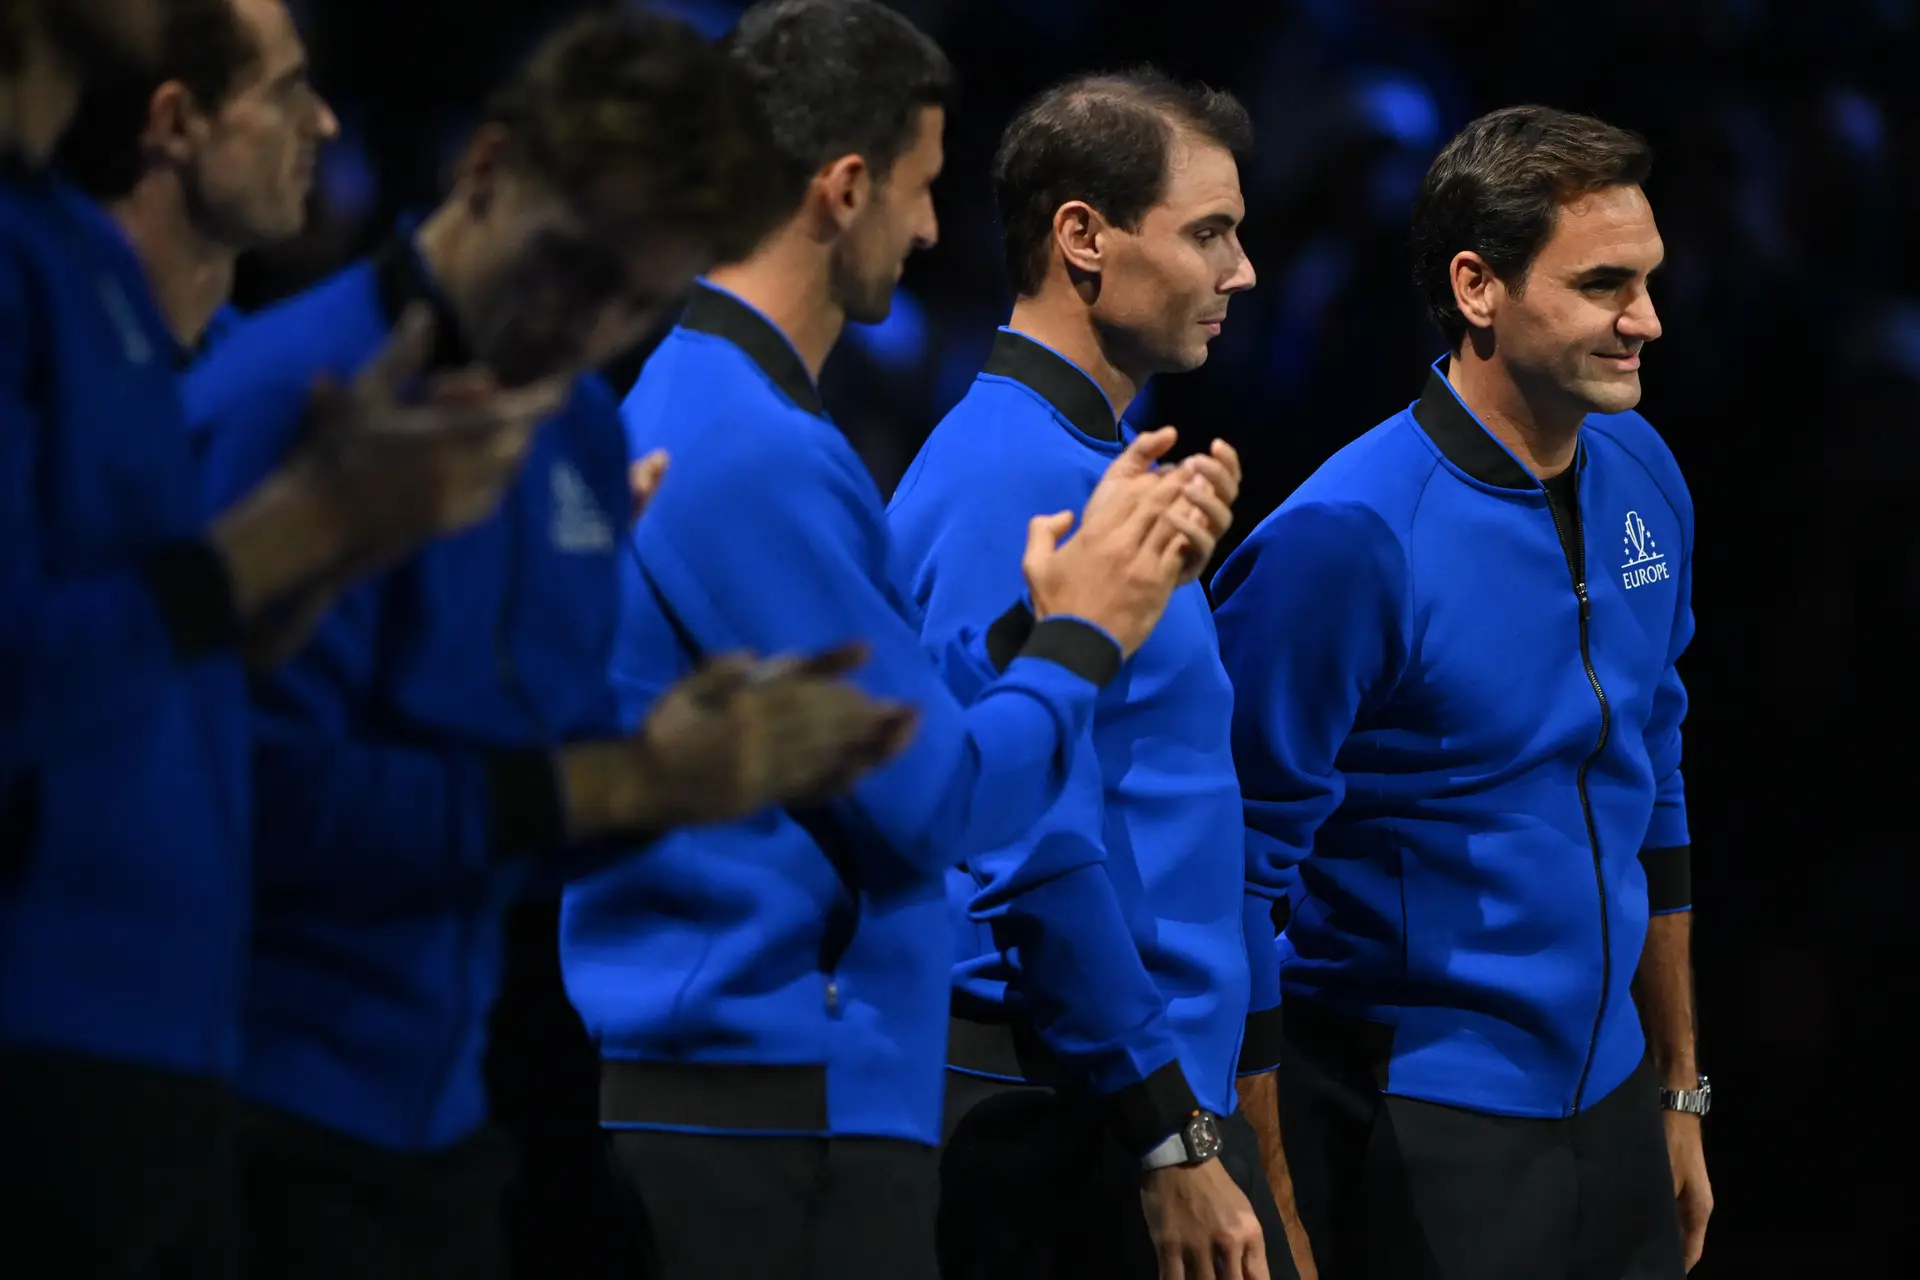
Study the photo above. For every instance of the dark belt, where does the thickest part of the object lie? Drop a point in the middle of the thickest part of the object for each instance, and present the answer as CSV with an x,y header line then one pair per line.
x,y
714,1095
1010,1050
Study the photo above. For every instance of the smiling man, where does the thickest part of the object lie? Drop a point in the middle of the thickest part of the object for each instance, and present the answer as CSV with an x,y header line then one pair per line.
x,y
1099,1010
1457,717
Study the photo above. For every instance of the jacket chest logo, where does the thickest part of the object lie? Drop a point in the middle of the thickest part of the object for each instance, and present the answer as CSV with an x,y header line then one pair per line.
x,y
579,526
1645,563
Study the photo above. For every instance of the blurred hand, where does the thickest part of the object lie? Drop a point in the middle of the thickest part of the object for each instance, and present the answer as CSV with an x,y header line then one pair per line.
x,y
397,469
742,734
644,480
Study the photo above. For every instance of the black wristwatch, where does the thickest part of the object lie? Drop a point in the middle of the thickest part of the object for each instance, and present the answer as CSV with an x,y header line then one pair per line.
x,y
1195,1142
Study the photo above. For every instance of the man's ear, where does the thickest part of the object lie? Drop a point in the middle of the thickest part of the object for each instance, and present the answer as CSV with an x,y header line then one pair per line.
x,y
1082,236
171,114
842,190
476,179
1477,292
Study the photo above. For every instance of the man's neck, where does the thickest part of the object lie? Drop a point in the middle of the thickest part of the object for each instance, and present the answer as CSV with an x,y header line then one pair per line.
x,y
1065,325
190,273
1544,437
37,103
787,279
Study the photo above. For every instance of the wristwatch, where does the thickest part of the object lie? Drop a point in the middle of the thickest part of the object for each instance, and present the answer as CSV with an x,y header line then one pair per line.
x,y
1195,1142
1692,1101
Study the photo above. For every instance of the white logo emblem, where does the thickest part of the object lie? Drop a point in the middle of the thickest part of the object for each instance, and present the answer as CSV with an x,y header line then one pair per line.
x,y
1644,563
578,525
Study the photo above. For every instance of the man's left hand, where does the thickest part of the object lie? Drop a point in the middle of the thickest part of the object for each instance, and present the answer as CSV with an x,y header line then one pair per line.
x,y
1691,1190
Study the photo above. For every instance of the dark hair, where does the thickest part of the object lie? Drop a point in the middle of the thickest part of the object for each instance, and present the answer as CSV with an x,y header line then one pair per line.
x,y
642,109
1497,188
204,44
839,77
1105,139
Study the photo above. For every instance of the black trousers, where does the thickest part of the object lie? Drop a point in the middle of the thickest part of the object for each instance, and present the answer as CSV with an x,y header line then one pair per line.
x,y
742,1208
566,1212
318,1205
1034,1186
1394,1189
110,1171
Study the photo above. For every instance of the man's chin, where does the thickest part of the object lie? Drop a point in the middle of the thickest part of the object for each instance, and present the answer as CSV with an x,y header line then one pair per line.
x,y
1612,395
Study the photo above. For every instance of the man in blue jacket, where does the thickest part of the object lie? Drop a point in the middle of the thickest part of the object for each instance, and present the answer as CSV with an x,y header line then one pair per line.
x,y
1099,1015
770,996
124,884
448,736
208,158
1457,715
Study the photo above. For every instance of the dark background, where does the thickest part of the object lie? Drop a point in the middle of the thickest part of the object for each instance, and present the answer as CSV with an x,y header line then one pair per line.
x,y
1787,186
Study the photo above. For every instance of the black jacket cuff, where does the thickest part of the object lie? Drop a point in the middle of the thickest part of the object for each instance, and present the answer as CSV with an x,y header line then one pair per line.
x,y
195,593
1146,1114
527,812
1080,647
1008,633
1669,878
1260,1045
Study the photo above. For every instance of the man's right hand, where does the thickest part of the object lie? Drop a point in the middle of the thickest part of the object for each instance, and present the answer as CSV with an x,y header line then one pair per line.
x,y
379,472
1138,537
1202,1225
731,739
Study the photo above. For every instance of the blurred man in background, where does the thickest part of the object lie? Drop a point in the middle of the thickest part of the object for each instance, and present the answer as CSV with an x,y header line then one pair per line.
x,y
770,996
124,879
1453,652
447,738
214,160
1100,1013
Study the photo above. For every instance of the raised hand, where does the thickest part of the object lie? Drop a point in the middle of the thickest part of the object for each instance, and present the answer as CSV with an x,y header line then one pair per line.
x,y
738,735
1145,531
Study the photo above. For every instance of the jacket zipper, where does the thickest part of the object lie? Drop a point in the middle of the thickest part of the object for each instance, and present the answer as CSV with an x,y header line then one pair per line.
x,y
1576,553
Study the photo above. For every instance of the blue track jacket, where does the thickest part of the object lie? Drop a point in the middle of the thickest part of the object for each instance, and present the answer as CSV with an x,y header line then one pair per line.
x,y
123,735
1460,700
1137,957
788,974
403,766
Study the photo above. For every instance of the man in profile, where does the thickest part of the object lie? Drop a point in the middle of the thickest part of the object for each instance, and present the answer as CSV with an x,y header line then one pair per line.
x,y
213,161
1457,715
1100,1014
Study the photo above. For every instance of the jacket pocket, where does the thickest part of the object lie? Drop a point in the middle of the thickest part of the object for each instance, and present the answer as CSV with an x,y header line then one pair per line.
x,y
19,824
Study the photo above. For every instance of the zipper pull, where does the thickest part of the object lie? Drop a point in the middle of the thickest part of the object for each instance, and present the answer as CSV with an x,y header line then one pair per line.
x,y
833,996
1586,605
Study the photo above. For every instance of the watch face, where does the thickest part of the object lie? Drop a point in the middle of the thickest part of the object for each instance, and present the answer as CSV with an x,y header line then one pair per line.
x,y
1203,1138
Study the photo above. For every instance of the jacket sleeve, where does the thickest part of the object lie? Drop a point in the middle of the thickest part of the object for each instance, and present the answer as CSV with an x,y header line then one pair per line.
x,y
1047,896
780,546
1665,854
83,651
1311,617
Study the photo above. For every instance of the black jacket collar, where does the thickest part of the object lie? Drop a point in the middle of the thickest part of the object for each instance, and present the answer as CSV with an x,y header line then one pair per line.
x,y
1055,379
401,278
1468,445
719,313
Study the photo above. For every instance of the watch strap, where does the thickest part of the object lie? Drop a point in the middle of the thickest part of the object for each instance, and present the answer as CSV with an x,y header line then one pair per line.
x,y
1695,1102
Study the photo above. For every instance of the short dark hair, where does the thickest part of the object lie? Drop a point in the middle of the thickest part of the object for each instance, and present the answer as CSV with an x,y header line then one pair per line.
x,y
643,108
204,44
1497,188
839,77
1106,139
